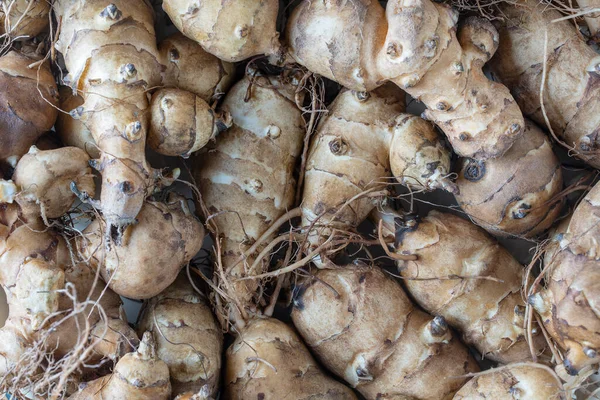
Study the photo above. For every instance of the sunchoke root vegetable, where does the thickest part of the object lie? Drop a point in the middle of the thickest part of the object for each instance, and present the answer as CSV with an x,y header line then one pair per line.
x,y
521,381
187,338
569,303
43,179
592,19
165,237
27,104
24,18
516,193
182,123
364,139
477,287
71,131
571,95
415,46
231,30
246,178
362,326
191,68
53,303
139,375
269,361
110,51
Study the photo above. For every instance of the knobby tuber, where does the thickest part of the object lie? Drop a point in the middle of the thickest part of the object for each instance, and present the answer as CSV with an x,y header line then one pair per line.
x,y
110,52
187,337
591,18
362,326
415,45
515,194
363,140
569,303
477,287
182,123
564,67
246,178
27,104
151,252
191,68
139,375
231,30
269,361
24,18
519,381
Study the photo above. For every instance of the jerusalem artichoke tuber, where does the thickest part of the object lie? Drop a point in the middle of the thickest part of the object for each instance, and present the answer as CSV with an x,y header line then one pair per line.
x,y
515,194
24,18
363,327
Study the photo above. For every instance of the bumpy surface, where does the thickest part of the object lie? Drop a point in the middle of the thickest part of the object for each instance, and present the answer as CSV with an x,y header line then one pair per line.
x,y
110,51
513,382
488,313
187,337
24,114
363,327
413,44
268,361
570,304
514,194
71,131
231,30
571,91
151,252
246,178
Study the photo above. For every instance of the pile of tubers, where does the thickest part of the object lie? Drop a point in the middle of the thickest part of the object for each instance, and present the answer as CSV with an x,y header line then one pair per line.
x,y
308,199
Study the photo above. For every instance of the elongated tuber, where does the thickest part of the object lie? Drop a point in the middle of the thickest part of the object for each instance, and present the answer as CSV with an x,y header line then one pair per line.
x,y
565,64
182,123
110,51
413,44
246,178
477,287
362,326
363,140
27,103
569,303
139,375
71,131
191,68
269,361
151,253
187,338
515,194
521,381
230,30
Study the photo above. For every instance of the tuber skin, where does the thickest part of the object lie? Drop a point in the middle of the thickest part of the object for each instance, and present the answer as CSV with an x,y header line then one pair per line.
x,y
231,30
362,327
182,123
413,44
151,253
139,375
517,193
569,303
364,138
571,92
488,313
269,361
519,381
25,112
187,338
44,178
246,178
189,67
592,19
71,131
26,18
110,51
